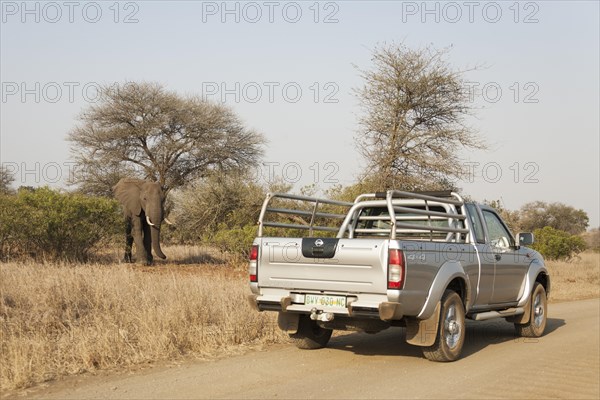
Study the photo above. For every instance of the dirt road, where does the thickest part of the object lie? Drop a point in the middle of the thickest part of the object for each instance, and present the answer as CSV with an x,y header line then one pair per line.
x,y
565,363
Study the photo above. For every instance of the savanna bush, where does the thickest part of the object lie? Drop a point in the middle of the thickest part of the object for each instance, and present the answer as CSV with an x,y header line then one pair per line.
x,y
236,241
220,210
555,244
45,223
215,203
592,239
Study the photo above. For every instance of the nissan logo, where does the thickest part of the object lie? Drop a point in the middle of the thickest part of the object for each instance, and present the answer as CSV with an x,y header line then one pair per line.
x,y
318,243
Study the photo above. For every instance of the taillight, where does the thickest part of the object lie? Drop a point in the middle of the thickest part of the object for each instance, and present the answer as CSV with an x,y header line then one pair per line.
x,y
254,253
396,269
253,264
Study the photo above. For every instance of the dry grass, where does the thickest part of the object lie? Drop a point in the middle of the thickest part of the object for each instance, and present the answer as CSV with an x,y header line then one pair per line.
x,y
67,319
61,319
575,280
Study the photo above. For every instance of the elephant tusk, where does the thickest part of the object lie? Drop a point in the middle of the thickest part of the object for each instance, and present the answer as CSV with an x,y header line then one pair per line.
x,y
148,221
168,222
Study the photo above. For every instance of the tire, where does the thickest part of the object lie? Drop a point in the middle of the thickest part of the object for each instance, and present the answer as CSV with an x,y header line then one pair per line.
x,y
451,330
310,335
539,312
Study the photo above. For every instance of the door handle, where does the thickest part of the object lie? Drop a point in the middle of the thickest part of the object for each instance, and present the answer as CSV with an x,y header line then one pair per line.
x,y
497,257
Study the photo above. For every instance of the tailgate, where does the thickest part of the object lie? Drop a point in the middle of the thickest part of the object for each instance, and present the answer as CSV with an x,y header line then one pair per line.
x,y
332,265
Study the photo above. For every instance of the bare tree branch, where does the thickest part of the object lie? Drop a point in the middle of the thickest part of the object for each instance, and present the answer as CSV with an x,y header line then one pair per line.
x,y
412,125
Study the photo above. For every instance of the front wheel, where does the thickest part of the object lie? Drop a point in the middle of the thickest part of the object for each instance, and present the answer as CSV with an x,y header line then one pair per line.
x,y
451,330
539,310
310,335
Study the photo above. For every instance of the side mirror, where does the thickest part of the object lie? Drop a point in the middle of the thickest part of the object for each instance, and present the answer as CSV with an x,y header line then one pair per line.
x,y
525,238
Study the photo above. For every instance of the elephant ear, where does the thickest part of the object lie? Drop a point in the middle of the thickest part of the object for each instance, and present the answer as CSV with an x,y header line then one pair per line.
x,y
127,191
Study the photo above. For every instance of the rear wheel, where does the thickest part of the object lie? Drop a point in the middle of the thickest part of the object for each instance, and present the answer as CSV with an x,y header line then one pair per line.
x,y
451,330
310,335
539,310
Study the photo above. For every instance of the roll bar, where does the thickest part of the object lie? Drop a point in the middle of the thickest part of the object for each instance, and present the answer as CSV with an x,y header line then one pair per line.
x,y
401,213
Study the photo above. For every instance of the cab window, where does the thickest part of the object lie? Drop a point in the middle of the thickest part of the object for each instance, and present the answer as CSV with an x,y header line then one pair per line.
x,y
499,236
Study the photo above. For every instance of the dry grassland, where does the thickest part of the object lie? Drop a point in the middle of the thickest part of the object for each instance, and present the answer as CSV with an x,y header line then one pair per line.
x,y
67,319
64,319
575,280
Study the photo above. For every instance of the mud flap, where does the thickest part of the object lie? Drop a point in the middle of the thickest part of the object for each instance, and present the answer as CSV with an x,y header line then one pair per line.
x,y
288,322
422,332
522,318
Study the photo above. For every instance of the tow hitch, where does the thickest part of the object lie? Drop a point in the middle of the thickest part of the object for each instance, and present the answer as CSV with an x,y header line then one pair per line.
x,y
317,315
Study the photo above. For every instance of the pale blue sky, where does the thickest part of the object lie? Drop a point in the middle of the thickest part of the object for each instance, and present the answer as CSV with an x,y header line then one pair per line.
x,y
545,123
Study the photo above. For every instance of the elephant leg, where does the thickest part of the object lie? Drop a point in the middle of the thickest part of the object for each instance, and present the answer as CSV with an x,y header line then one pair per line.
x,y
147,242
128,241
138,239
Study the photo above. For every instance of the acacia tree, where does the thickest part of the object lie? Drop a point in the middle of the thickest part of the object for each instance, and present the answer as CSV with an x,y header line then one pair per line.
x,y
144,130
412,126
539,214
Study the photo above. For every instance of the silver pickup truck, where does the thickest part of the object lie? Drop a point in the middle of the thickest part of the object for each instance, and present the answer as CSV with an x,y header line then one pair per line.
x,y
424,260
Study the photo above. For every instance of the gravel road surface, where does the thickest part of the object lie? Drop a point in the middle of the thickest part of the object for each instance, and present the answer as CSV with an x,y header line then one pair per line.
x,y
565,363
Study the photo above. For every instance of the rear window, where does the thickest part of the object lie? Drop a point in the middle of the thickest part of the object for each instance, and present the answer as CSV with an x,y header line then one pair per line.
x,y
404,217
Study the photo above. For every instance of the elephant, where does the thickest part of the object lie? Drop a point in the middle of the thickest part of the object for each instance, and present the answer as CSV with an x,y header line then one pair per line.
x,y
143,208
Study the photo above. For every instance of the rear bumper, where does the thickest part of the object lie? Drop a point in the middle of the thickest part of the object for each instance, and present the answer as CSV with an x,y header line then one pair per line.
x,y
386,311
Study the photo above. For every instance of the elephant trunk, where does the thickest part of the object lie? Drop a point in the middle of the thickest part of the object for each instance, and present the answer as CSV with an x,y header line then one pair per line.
x,y
156,243
154,223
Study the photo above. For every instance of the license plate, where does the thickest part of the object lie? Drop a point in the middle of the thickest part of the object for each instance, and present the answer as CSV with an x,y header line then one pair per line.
x,y
325,301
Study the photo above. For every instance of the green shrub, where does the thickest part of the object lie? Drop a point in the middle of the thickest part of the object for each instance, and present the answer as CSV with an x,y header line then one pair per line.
x,y
237,241
217,202
555,244
49,224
